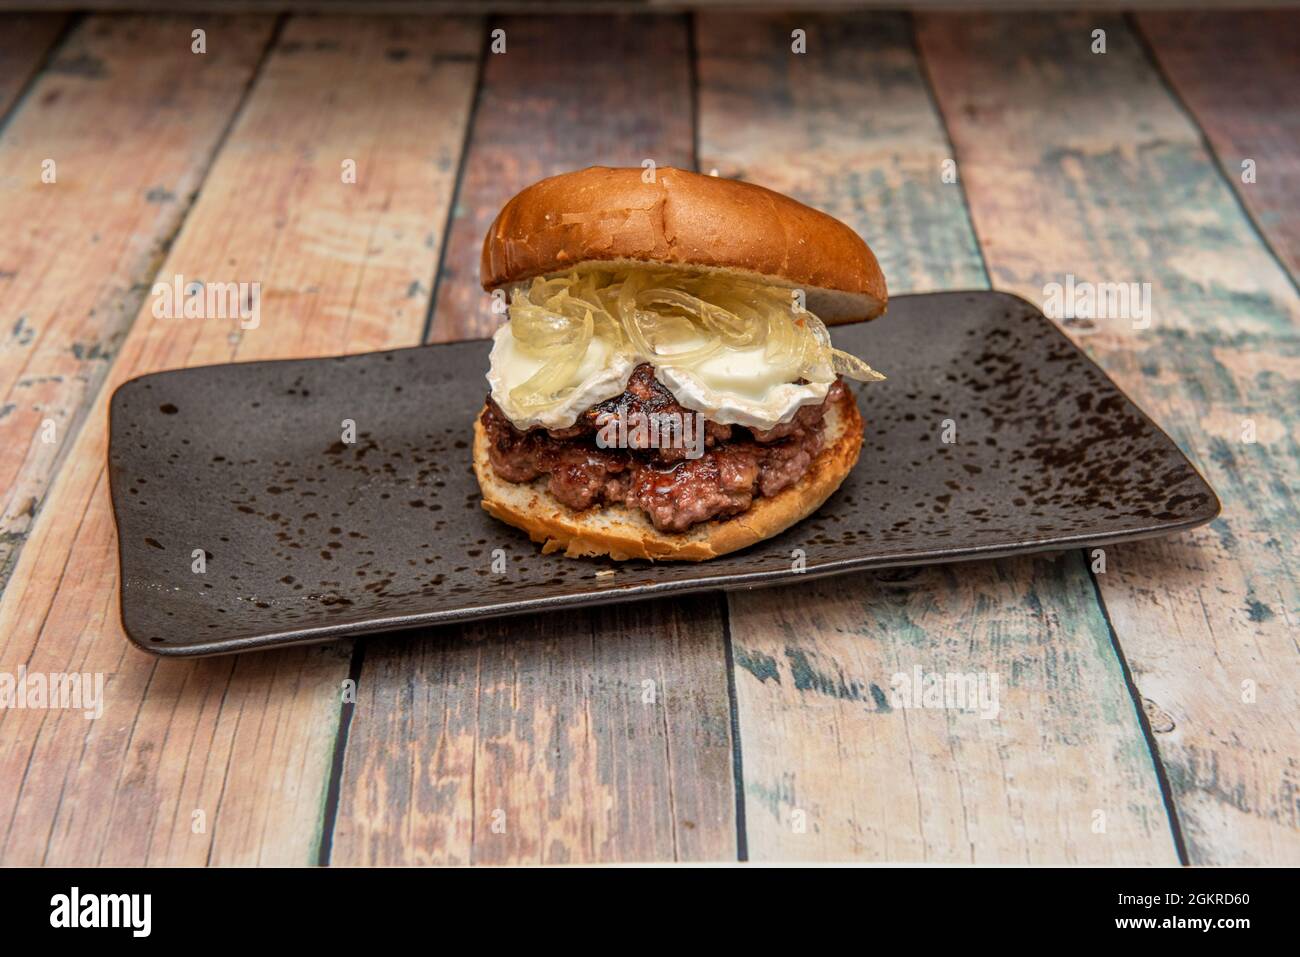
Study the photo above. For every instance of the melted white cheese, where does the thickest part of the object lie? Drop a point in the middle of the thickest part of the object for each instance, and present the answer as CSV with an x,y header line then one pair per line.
x,y
601,375
736,387
731,387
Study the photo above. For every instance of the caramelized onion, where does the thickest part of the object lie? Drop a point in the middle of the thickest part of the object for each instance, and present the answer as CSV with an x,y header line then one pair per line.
x,y
666,317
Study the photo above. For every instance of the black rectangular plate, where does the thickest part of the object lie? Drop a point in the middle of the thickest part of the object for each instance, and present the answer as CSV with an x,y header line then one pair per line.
x,y
306,538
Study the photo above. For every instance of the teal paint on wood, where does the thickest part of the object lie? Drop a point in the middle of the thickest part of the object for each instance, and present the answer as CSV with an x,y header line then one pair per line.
x,y
1120,188
1240,104
847,127
850,127
600,734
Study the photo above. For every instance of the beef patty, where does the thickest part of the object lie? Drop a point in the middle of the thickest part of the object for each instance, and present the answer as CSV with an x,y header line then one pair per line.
x,y
675,491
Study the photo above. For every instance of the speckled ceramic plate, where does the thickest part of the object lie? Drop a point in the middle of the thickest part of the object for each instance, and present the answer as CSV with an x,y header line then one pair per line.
x,y
245,522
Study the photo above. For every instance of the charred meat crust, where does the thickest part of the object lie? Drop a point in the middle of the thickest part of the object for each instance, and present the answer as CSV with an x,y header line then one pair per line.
x,y
675,492
644,395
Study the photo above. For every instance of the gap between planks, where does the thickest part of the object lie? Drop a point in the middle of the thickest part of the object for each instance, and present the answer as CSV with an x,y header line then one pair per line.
x,y
889,786
622,781
1200,615
204,735
60,276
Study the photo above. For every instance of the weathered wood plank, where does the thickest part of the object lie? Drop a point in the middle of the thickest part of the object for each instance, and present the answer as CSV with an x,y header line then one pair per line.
x,y
832,770
1240,104
566,94
1119,188
847,127
129,117
25,41
534,742
248,742
589,736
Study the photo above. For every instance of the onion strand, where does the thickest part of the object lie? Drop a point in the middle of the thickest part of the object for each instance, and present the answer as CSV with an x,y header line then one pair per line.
x,y
667,317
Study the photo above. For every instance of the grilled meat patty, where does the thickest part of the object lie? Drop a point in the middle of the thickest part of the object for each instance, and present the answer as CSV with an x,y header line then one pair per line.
x,y
675,491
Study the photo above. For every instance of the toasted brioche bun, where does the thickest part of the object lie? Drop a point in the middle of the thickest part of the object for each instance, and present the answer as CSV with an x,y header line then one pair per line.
x,y
684,220
621,532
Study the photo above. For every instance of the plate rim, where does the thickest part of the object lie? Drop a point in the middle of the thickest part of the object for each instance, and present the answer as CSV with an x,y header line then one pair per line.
x,y
316,634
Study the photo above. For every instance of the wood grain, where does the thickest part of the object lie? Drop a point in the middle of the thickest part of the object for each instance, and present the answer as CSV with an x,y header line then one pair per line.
x,y
588,736
833,770
248,742
847,127
1119,188
537,725
25,41
1236,72
569,92
130,118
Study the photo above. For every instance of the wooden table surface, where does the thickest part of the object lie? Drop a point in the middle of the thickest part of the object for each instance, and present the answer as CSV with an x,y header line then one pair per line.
x,y
1148,711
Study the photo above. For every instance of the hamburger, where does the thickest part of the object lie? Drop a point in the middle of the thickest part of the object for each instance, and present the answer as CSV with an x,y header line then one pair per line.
x,y
665,387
